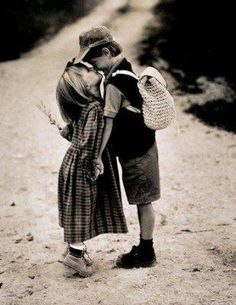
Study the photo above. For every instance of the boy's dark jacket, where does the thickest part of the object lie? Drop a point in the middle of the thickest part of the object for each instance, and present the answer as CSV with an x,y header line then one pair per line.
x,y
130,136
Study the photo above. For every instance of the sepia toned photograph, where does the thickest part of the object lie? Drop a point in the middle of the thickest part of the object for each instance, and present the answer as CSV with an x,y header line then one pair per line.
x,y
118,152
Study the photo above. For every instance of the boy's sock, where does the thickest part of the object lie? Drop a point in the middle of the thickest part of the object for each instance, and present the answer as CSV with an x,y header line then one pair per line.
x,y
145,244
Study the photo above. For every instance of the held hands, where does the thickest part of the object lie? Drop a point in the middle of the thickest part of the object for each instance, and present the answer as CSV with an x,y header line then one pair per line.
x,y
99,165
98,170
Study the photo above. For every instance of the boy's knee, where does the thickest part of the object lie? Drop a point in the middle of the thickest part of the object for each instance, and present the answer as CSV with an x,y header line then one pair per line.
x,y
145,207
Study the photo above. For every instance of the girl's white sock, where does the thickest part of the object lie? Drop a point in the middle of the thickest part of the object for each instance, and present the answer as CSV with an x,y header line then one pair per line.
x,y
77,246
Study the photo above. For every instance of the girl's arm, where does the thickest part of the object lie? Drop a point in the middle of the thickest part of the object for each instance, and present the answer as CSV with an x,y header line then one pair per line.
x,y
92,139
113,102
105,137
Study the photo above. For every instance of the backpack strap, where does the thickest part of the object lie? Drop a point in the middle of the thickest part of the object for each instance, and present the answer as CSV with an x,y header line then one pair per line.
x,y
157,75
129,73
125,72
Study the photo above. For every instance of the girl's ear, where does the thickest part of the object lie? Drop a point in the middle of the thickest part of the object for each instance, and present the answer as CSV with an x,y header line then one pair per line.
x,y
90,89
106,52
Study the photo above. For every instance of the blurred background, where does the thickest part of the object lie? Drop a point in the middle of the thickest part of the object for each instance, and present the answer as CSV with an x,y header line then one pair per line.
x,y
195,39
28,22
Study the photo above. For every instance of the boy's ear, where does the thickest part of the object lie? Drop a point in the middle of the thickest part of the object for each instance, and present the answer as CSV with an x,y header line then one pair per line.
x,y
106,52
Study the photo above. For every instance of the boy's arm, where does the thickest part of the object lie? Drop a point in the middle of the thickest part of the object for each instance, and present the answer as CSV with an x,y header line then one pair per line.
x,y
113,102
92,139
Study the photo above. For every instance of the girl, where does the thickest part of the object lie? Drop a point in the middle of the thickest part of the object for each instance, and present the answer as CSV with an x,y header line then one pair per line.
x,y
88,206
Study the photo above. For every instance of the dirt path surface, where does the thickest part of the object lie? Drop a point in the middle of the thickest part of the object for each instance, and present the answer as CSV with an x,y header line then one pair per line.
x,y
195,229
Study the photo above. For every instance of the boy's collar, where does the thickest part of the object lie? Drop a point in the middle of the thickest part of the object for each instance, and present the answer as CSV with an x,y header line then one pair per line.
x,y
116,64
102,86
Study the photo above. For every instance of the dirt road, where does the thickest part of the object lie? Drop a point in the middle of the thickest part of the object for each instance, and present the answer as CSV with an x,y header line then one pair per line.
x,y
196,217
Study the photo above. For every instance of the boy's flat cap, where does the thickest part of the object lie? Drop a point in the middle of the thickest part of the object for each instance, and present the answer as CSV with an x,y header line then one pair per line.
x,y
94,37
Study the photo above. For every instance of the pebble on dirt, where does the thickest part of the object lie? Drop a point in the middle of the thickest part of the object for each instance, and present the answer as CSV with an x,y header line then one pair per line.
x,y
111,250
196,270
211,248
30,292
187,230
23,189
32,277
29,237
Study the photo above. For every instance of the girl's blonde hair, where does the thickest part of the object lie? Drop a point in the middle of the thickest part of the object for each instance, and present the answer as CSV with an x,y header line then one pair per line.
x,y
72,93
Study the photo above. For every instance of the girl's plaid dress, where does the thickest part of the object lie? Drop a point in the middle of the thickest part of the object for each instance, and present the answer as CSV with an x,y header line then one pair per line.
x,y
88,208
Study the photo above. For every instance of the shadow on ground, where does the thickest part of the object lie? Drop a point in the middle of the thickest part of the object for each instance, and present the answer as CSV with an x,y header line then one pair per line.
x,y
217,113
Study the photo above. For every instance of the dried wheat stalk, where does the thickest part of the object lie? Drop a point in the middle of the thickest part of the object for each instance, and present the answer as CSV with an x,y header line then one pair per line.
x,y
42,107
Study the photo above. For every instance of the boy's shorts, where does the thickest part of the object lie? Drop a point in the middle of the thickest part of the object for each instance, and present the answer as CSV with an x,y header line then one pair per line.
x,y
141,177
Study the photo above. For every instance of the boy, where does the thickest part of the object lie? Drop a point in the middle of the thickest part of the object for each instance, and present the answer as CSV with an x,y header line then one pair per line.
x,y
133,142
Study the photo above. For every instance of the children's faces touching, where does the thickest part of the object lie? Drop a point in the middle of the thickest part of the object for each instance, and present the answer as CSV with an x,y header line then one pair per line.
x,y
102,62
92,79
90,76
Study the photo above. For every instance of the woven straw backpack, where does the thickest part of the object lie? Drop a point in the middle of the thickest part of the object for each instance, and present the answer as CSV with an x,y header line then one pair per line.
x,y
158,104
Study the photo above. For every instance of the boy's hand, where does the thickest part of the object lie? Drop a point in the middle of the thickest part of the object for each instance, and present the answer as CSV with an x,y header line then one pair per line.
x,y
144,80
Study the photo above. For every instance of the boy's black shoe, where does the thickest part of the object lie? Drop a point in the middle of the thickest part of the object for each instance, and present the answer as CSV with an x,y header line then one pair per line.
x,y
137,258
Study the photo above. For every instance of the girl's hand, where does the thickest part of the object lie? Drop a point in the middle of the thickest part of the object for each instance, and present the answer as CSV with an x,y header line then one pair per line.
x,y
63,132
66,132
99,165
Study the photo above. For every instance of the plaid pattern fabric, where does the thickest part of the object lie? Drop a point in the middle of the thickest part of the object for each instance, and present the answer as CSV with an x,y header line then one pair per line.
x,y
89,208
